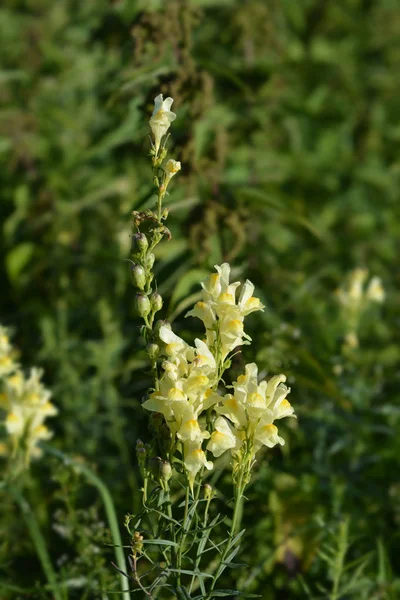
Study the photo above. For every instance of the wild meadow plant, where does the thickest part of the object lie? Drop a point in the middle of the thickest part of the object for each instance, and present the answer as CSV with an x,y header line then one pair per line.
x,y
355,297
25,406
195,417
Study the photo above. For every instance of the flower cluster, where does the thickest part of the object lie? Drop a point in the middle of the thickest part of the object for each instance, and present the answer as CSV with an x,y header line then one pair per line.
x,y
186,390
354,298
222,314
252,408
26,403
356,293
200,419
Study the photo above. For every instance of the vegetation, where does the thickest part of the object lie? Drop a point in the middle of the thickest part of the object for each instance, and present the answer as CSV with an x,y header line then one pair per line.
x,y
287,133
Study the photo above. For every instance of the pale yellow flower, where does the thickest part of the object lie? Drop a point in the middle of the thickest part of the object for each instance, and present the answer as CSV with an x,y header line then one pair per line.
x,y
189,427
375,291
161,119
222,438
203,311
14,422
171,169
7,363
194,460
28,405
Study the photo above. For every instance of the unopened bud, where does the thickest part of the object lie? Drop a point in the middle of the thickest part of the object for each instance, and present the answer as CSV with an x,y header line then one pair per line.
x,y
142,305
152,350
138,276
155,466
165,470
136,542
139,243
165,214
150,260
141,456
208,491
156,301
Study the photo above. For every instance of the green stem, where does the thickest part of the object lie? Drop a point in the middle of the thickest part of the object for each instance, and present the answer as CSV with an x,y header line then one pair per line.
x,y
339,561
184,534
37,538
171,525
198,556
109,508
236,511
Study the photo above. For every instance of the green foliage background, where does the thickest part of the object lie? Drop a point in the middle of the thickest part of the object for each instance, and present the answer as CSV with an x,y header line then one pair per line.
x,y
289,137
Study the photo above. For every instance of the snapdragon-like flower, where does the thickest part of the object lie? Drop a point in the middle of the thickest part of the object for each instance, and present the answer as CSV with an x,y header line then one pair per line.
x,y
172,167
195,460
161,119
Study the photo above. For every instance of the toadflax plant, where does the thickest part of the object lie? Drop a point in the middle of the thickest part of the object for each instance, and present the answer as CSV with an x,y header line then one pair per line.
x,y
194,416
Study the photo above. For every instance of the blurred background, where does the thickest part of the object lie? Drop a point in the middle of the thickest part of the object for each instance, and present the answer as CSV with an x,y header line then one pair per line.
x,y
289,136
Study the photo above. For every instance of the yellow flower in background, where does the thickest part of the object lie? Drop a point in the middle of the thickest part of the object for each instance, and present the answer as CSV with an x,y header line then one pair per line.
x,y
355,296
26,403
375,291
7,364
161,119
356,282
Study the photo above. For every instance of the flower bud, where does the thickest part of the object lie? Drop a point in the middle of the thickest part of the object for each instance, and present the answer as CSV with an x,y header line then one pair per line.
x,y
136,542
155,466
165,470
142,305
152,350
139,243
150,260
156,301
141,456
138,276
208,491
